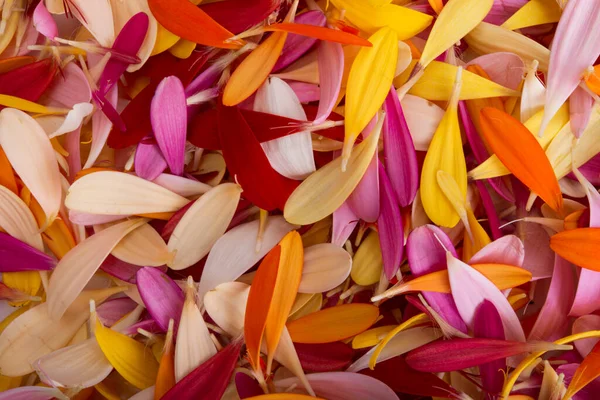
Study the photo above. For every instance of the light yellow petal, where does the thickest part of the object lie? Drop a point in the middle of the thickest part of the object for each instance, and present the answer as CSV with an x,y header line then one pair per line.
x,y
368,262
324,191
75,270
18,220
325,267
118,193
210,215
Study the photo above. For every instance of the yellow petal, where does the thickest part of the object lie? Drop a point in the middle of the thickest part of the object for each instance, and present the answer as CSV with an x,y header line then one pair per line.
x,y
368,262
183,48
325,190
164,40
11,27
28,282
369,82
132,360
534,12
371,337
445,153
437,83
488,38
404,21
457,18
479,239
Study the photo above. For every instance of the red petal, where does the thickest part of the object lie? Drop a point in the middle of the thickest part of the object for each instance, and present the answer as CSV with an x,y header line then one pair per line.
x,y
30,81
324,357
239,15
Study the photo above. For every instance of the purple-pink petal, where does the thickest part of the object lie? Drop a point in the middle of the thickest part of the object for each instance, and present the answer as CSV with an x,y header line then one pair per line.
x,y
488,324
161,295
149,161
17,256
389,224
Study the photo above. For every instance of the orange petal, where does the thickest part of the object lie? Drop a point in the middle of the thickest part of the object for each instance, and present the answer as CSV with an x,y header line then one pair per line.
x,y
588,370
333,324
521,153
7,176
579,246
165,379
319,32
259,302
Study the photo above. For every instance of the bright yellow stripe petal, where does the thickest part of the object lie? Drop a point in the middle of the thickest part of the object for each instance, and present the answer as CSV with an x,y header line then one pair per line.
x,y
183,48
28,106
28,282
164,40
371,337
534,12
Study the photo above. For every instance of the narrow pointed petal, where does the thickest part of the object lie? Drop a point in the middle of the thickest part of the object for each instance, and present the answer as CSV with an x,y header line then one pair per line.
x,y
488,324
447,29
161,295
586,372
180,16
212,213
330,57
326,190
132,359
41,178
391,231
508,139
193,345
577,40
291,155
20,256
168,114
465,353
333,324
371,74
425,255
235,252
344,222
399,151
101,126
325,267
533,96
75,270
210,379
118,193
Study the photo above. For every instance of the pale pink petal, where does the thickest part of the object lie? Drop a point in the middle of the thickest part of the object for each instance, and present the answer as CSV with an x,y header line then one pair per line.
x,y
539,258
70,87
470,288
32,393
507,250
330,57
552,321
168,114
575,47
343,386
186,187
583,324
422,118
43,21
533,95
291,155
149,161
580,109
101,126
83,218
505,69
73,146
344,222
97,17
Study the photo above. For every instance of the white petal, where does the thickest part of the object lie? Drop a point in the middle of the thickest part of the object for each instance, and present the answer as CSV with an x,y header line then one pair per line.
x,y
325,267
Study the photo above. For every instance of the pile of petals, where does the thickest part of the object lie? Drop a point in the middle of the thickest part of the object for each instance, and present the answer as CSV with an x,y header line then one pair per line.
x,y
285,200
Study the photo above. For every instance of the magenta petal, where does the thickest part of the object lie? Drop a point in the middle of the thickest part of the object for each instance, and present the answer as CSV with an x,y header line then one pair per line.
x,y
426,255
580,109
148,325
16,256
43,21
109,110
296,45
344,222
149,161
324,357
502,10
120,269
168,115
128,42
399,151
488,324
490,210
210,379
246,386
391,231
161,295
113,310
306,92
591,170
552,321
330,57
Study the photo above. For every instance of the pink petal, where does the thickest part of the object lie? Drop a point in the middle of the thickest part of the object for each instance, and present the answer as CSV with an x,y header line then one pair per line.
x,y
83,218
583,324
508,250
389,223
344,386
69,87
505,69
330,57
210,379
306,92
32,393
161,295
488,324
575,47
149,161
502,10
101,126
553,318
344,222
73,146
399,151
43,21
425,255
113,310
470,288
168,114
120,269
580,109
364,200
296,45
490,209
16,256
